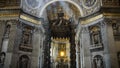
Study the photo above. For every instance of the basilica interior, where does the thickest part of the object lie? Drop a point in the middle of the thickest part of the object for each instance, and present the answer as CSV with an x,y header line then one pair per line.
x,y
59,33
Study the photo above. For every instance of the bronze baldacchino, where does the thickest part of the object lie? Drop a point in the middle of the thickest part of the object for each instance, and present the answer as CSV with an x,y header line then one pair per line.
x,y
63,28
60,27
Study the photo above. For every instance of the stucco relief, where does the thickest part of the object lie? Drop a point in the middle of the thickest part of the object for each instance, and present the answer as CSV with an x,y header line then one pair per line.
x,y
90,6
33,7
89,3
33,4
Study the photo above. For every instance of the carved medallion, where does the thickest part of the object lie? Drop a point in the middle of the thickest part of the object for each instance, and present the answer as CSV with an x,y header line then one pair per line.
x,y
33,3
89,3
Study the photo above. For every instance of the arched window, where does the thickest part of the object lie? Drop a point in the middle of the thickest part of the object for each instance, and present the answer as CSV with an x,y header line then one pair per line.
x,y
98,62
24,61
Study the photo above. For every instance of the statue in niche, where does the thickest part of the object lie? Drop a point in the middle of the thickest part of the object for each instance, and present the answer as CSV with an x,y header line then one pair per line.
x,y
27,35
2,59
98,62
118,56
26,39
7,30
116,28
95,34
23,61
96,38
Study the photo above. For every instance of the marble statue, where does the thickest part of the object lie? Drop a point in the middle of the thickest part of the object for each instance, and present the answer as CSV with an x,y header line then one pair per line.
x,y
8,29
26,39
95,36
60,20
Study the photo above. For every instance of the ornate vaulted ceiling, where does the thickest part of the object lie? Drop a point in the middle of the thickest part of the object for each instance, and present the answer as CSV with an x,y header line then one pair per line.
x,y
68,9
48,8
85,7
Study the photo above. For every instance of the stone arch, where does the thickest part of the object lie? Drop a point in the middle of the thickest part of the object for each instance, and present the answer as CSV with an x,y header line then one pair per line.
x,y
72,2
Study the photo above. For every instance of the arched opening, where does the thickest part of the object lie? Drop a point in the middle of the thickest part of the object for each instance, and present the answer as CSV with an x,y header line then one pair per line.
x,y
61,50
98,62
24,61
2,59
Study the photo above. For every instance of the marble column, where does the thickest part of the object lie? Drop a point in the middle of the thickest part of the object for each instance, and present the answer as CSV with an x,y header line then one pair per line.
x,y
5,44
42,51
2,29
37,54
78,54
77,40
72,50
84,49
111,53
9,44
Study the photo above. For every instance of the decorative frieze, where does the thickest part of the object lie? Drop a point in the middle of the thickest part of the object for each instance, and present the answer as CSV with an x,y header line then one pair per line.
x,y
110,3
91,19
7,3
31,19
2,3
